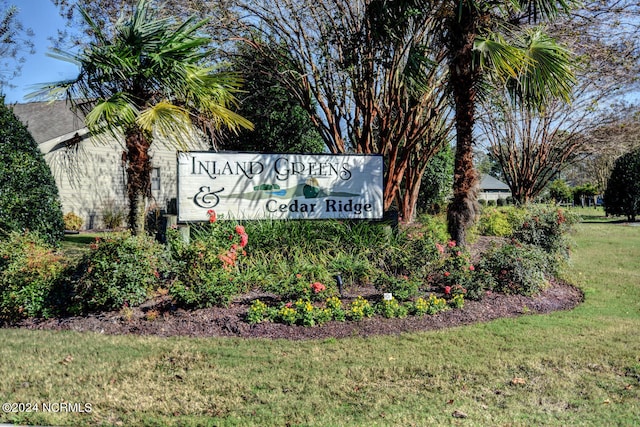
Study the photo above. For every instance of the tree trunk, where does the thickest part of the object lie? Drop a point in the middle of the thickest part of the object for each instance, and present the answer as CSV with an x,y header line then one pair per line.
x,y
463,78
138,178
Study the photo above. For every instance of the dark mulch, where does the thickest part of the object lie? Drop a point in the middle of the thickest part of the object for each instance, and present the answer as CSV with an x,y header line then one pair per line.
x,y
230,322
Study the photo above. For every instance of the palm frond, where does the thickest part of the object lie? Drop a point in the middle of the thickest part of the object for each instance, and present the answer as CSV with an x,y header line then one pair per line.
x,y
501,57
111,115
169,121
548,75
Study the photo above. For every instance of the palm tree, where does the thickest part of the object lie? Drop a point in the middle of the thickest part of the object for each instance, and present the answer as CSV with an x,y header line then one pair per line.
x,y
146,78
482,40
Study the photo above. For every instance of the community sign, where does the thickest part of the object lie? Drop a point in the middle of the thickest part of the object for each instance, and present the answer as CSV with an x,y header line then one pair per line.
x,y
279,186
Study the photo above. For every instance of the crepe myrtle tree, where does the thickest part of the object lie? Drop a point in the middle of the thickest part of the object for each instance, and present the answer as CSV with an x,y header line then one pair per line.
x,y
146,77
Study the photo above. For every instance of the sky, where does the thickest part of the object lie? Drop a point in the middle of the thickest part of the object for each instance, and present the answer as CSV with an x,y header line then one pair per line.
x,y
43,18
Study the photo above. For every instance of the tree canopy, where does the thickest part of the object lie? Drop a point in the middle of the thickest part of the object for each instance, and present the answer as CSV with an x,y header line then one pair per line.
x,y
144,78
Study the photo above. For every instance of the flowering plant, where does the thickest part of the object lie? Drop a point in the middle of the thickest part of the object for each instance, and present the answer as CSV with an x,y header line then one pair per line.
x,y
391,308
359,309
205,268
297,286
456,273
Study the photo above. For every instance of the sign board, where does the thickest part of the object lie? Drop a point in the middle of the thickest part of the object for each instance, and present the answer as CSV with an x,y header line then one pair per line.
x,y
279,186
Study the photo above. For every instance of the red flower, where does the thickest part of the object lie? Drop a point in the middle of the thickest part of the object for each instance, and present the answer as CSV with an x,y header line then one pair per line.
x,y
472,268
212,216
447,274
240,229
451,243
440,248
447,290
244,239
318,287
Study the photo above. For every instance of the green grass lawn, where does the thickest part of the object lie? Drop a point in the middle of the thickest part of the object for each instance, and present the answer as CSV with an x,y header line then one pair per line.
x,y
580,367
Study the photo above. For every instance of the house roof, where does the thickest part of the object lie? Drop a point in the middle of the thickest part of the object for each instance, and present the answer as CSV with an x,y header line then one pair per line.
x,y
487,182
52,124
47,121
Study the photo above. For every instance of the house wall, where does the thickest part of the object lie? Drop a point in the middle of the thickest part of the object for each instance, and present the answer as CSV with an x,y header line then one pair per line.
x,y
91,179
493,195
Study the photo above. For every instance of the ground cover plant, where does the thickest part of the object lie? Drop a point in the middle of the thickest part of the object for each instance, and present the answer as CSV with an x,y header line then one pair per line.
x,y
578,367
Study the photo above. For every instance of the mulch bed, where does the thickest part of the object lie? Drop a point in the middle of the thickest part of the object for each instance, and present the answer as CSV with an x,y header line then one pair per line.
x,y
230,322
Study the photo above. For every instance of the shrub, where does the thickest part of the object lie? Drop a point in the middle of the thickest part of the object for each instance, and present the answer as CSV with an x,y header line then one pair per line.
x,y
258,312
204,271
547,227
402,287
456,273
72,221
494,222
30,271
302,312
517,268
412,254
359,309
120,269
432,305
28,192
337,311
622,195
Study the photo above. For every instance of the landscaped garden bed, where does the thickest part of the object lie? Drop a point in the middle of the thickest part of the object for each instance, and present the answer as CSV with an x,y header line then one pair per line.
x,y
159,317
292,279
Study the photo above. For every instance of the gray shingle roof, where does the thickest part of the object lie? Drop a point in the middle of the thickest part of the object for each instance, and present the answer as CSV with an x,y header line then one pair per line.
x,y
46,121
487,182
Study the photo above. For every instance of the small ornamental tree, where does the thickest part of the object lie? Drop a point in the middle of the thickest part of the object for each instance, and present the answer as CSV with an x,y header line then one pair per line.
x,y
622,196
28,193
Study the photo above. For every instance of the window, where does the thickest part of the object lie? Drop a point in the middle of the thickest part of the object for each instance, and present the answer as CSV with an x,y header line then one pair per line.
x,y
155,179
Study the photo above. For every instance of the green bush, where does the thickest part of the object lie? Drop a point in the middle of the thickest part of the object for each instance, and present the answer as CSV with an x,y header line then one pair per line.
x,y
28,192
30,271
72,221
622,195
391,309
517,268
547,227
402,288
457,274
412,254
119,270
205,271
494,222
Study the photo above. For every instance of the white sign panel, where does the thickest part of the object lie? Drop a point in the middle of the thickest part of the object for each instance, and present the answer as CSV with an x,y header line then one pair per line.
x,y
279,186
